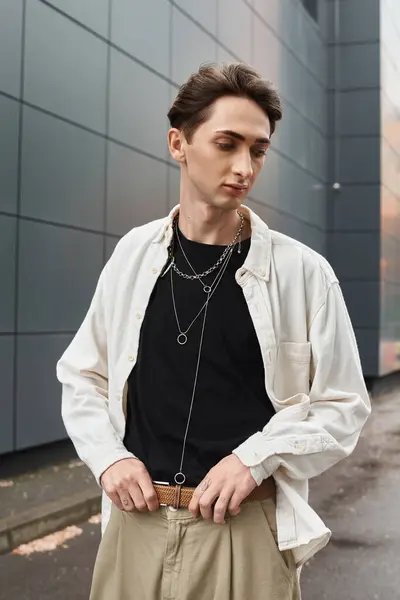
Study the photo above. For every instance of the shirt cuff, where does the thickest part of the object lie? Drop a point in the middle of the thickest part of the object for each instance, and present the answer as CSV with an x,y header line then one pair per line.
x,y
249,453
102,463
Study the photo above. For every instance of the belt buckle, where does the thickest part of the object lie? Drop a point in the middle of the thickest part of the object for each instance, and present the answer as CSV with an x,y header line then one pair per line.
x,y
162,483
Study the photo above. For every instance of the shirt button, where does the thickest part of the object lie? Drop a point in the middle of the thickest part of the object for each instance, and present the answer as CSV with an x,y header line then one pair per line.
x,y
154,270
131,358
138,316
262,272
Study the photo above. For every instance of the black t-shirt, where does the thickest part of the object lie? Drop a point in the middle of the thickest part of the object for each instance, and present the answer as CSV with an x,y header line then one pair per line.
x,y
230,403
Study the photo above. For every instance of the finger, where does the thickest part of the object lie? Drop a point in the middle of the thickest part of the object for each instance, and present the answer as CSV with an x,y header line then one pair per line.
x,y
221,506
137,497
234,506
126,501
115,499
149,493
206,501
194,505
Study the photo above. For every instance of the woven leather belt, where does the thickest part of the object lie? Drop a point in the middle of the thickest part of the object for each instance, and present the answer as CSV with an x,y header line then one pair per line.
x,y
167,493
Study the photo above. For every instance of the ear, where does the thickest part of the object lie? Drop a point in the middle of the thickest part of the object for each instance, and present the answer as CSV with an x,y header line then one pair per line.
x,y
176,145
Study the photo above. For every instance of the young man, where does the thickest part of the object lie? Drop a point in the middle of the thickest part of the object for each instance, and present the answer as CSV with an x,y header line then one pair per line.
x,y
215,373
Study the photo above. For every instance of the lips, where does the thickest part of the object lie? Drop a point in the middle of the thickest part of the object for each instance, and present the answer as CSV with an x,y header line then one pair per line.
x,y
236,187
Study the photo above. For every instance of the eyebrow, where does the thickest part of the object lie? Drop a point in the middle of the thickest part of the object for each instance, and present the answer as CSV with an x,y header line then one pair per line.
x,y
239,136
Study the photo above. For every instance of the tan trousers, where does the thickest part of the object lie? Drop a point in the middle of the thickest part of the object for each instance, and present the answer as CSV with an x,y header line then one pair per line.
x,y
169,555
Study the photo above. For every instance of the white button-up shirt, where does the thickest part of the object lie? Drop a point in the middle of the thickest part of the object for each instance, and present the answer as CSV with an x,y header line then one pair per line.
x,y
312,369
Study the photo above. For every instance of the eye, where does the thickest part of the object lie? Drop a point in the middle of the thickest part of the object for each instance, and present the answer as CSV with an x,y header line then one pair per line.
x,y
226,147
260,153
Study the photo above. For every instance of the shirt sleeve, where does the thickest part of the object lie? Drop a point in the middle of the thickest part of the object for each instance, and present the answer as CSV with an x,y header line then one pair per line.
x,y
83,373
315,431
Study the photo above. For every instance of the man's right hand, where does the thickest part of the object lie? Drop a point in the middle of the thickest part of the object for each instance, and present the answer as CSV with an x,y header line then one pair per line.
x,y
128,484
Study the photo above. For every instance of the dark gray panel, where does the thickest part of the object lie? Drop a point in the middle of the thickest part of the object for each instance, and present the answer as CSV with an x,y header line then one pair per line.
x,y
10,46
58,272
38,391
65,67
362,299
356,207
325,20
62,172
368,346
234,27
9,113
359,160
142,28
7,272
7,393
356,256
137,189
359,112
316,55
187,34
111,242
204,12
358,20
92,13
358,65
139,102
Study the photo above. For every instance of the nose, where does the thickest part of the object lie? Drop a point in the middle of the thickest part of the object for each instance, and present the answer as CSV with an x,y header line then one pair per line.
x,y
243,165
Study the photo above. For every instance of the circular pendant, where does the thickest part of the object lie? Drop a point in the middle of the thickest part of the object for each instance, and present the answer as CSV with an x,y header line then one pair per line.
x,y
180,478
182,339
207,289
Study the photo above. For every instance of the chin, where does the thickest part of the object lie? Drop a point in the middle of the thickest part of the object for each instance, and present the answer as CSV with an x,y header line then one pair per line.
x,y
227,203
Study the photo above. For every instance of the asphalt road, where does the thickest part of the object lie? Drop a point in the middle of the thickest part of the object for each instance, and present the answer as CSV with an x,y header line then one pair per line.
x,y
358,499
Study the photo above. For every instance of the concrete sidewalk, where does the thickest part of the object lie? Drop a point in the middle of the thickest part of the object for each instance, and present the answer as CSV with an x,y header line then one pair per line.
x,y
38,498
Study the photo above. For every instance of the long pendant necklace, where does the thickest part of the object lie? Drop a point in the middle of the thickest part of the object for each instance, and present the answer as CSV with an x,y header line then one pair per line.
x,y
180,477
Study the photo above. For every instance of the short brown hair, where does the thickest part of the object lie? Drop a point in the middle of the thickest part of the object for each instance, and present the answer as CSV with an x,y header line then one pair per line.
x,y
195,98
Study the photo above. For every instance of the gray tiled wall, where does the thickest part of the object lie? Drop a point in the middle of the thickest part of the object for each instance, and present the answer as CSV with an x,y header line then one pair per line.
x,y
84,158
355,163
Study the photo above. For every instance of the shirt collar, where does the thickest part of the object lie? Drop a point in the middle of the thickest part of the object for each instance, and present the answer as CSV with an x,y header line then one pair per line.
x,y
258,260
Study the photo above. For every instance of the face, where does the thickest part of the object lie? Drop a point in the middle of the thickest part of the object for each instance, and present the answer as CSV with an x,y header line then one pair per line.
x,y
225,155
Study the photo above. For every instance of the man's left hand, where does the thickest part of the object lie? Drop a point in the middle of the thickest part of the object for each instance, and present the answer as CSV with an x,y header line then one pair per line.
x,y
230,481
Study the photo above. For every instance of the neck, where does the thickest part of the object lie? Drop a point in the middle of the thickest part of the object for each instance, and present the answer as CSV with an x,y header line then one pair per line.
x,y
208,225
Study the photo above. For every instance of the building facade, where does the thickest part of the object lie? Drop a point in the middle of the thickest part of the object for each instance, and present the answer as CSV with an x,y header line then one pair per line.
x,y
84,92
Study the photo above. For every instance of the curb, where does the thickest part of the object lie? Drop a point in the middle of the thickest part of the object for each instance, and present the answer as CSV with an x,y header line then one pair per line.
x,y
48,518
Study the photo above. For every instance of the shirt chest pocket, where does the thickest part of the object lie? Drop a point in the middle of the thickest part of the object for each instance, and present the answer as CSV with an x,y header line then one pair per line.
x,y
292,369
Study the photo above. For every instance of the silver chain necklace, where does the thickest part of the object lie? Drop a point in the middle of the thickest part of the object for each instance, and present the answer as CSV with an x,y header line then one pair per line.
x,y
206,288
216,265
